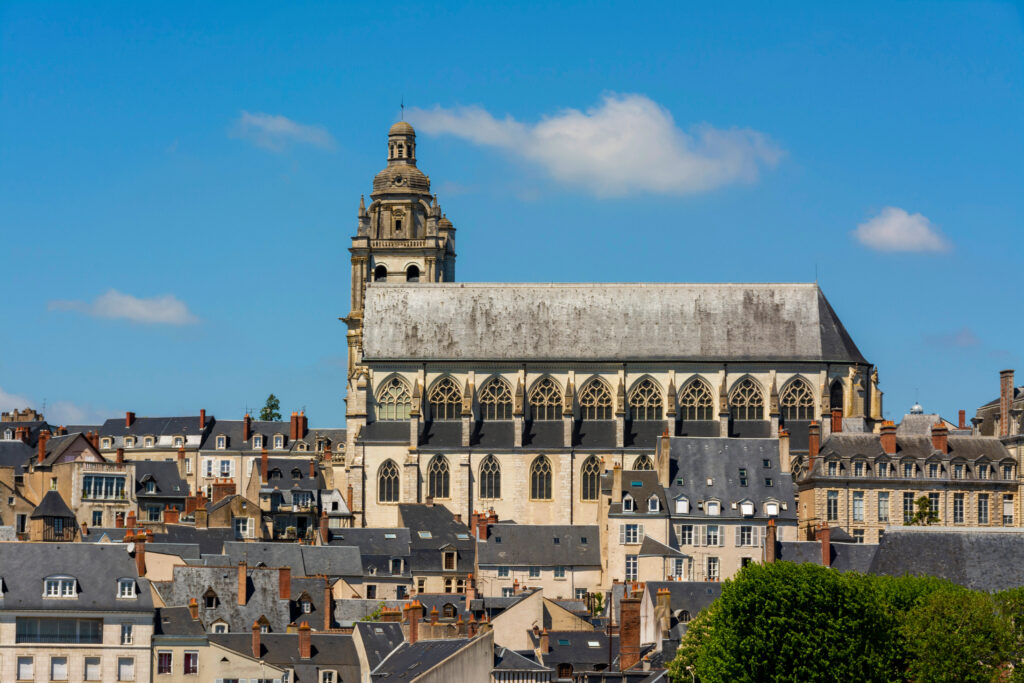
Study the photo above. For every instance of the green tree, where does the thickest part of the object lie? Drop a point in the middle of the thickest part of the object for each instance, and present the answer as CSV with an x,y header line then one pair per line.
x,y
375,614
924,516
272,410
1011,606
788,622
957,635
698,631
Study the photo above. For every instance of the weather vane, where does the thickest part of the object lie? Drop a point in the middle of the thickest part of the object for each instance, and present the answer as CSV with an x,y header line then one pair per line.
x,y
402,105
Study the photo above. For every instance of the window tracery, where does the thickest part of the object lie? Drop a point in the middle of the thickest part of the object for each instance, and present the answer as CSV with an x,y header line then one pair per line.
x,y
394,400
643,463
438,477
490,478
540,478
797,401
590,478
645,401
696,401
546,400
496,400
596,401
445,400
387,482
747,401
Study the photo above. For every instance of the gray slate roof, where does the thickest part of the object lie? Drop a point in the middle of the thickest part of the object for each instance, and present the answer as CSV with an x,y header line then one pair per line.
x,y
640,485
410,660
603,321
379,640
52,505
334,651
176,621
697,459
95,566
15,454
510,660
376,548
165,473
534,545
155,426
444,532
304,560
210,541
262,591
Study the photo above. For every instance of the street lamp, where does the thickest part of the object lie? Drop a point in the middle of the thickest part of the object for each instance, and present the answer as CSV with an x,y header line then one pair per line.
x,y
693,676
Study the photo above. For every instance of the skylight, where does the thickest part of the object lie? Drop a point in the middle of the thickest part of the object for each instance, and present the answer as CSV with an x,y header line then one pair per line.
x,y
425,534
636,483
462,537
593,643
390,535
563,641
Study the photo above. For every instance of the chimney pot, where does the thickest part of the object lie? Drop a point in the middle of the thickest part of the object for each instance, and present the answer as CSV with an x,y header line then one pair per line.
x,y
963,420
940,437
44,436
824,536
837,420
193,608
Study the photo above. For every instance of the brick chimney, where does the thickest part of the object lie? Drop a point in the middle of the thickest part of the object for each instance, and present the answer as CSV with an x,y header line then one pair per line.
x,y
118,521
63,431
284,583
962,422
171,515
837,420
471,626
257,650
85,530
312,468
140,552
222,488
119,457
824,536
888,437
474,524
94,440
413,613
193,608
940,437
328,604
770,539
303,424
264,465
545,642
629,632
202,419
348,498
492,518
433,615
325,527
813,443
129,418
131,524
246,427
243,583
1005,400
293,427
305,642
470,589
21,434
44,436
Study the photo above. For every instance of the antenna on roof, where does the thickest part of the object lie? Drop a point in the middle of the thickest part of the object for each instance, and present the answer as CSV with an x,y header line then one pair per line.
x,y
402,105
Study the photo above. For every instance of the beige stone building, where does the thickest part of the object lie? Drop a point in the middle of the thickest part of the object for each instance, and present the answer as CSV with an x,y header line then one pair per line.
x,y
865,482
517,397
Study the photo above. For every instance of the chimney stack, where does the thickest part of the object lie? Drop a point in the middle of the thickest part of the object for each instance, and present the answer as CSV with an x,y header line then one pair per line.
x,y
663,611
94,439
202,419
312,468
246,427
471,628
140,552
303,424
617,483
193,608
629,632
264,465
284,583
824,536
119,458
328,604
305,642
325,527
44,436
243,583
837,420
171,515
293,427
131,524
963,420
85,530
348,498
256,649
118,521
813,443
433,615
129,418
470,589
769,542
940,437
413,614
888,437
21,434
1005,400
545,642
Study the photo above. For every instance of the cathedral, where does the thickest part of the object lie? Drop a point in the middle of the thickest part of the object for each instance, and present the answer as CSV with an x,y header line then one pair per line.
x,y
518,397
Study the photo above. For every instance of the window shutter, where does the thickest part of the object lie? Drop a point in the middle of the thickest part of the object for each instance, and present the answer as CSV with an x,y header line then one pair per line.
x,y
738,539
622,534
699,530
721,536
640,533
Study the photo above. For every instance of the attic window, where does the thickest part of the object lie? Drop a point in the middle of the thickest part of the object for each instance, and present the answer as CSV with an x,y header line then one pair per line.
x,y
768,482
747,509
390,536
151,486
148,442
771,509
60,587
627,504
307,607
105,443
222,442
296,473
713,508
126,588
682,506
766,463
593,643
636,483
178,442
564,642
424,534
497,539
462,537
743,476
556,540
257,441
653,504
583,540
129,442
278,442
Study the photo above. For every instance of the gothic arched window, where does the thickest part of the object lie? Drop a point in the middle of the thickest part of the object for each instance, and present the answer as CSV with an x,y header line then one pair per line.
x,y
380,274
490,478
596,401
445,400
590,478
394,400
387,482
412,274
645,401
546,400
696,401
540,478
496,400
836,396
797,401
438,477
643,463
747,401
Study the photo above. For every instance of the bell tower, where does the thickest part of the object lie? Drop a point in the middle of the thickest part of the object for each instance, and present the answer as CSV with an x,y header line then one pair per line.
x,y
402,236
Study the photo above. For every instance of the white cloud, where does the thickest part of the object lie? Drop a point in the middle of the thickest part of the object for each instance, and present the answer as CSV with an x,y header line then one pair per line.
x,y
964,338
68,413
9,401
277,133
158,310
893,229
626,144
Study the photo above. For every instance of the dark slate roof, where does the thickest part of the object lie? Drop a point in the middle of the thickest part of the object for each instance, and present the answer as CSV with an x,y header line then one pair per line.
x,y
379,640
695,460
970,448
351,611
844,557
387,431
262,591
210,541
329,651
15,454
156,426
573,647
304,560
534,545
643,433
105,534
376,548
52,505
544,434
496,434
311,589
800,552
95,566
692,322
510,660
652,548
410,660
234,430
165,473
978,558
444,532
293,474
692,596
640,485
34,427
57,445
176,621
186,551
594,433
332,436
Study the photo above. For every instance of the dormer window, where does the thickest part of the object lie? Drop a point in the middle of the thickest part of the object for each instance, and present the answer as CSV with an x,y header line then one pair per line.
x,y
257,441
126,588
179,442
307,606
105,443
448,560
220,627
833,469
908,469
983,471
278,442
222,442
628,504
682,506
771,509
747,509
301,447
150,486
129,442
858,469
296,473
60,587
8,434
653,504
210,599
933,470
148,442
713,508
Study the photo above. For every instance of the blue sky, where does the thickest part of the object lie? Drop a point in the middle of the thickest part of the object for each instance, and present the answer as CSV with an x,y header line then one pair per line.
x,y
179,181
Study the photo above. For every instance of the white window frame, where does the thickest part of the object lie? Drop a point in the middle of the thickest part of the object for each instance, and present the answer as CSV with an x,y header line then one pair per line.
x,y
257,441
653,504
631,534
148,442
682,506
713,508
242,527
278,442
126,588
628,504
632,567
222,443
26,665
120,668
60,587
54,674
127,633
